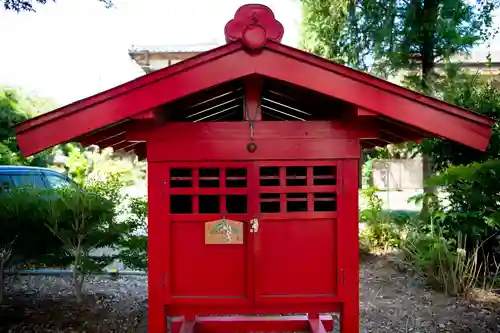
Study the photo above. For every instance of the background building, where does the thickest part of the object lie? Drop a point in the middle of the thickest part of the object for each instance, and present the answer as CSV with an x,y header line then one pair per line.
x,y
477,61
152,58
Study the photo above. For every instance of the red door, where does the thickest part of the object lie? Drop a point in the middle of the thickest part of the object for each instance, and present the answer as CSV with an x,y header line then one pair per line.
x,y
287,227
296,241
202,195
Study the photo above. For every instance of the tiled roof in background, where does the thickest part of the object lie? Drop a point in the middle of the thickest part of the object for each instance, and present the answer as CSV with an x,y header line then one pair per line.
x,y
173,48
479,56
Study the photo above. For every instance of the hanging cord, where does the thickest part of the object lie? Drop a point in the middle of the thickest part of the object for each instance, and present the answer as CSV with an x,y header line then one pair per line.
x,y
251,146
252,121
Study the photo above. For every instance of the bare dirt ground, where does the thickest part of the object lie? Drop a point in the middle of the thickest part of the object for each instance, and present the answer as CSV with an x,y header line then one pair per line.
x,y
390,302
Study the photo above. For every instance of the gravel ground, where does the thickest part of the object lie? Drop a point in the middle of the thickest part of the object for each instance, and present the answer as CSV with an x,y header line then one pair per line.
x,y
46,304
390,302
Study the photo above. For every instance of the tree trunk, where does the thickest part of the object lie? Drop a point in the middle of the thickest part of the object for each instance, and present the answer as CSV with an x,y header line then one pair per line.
x,y
77,274
5,255
428,16
2,283
77,285
428,190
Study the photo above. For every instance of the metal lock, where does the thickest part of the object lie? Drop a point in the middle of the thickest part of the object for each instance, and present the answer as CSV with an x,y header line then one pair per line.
x,y
254,225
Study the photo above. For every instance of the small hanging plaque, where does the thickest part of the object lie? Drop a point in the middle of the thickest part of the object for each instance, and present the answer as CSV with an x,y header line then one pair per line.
x,y
224,231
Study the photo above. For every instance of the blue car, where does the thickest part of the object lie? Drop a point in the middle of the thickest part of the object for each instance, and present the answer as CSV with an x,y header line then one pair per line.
x,y
44,178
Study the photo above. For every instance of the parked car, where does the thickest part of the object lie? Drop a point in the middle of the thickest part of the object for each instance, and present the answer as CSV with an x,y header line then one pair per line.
x,y
44,178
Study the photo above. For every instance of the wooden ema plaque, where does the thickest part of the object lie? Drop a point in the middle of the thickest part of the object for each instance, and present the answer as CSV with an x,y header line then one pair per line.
x,y
224,231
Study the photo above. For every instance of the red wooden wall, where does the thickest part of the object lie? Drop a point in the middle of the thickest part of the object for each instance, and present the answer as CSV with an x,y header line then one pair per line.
x,y
300,183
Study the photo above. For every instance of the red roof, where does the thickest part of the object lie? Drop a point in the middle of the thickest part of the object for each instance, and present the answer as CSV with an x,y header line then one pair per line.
x,y
253,49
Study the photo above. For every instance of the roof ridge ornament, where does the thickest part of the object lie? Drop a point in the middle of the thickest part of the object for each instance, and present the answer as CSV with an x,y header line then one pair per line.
x,y
254,25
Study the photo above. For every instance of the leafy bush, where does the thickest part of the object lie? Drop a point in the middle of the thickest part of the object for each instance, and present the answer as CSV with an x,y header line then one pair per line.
x,y
63,227
134,245
474,92
24,238
403,218
85,220
381,232
374,204
472,202
131,213
453,246
445,263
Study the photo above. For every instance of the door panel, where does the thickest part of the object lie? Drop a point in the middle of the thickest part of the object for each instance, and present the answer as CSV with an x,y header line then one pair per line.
x,y
303,261
203,272
296,241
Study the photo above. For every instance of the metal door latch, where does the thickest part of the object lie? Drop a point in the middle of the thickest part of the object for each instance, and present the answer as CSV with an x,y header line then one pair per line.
x,y
254,225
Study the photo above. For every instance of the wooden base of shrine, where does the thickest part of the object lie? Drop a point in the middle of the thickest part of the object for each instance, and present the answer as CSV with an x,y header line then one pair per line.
x,y
292,323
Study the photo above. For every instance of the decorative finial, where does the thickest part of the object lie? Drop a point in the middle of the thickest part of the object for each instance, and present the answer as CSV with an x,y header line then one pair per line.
x,y
254,25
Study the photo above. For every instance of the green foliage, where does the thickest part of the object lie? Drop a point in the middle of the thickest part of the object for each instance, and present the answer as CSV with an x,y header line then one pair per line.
x,y
438,248
85,220
367,173
23,212
403,218
381,232
373,203
325,25
388,35
29,5
96,164
77,164
474,92
472,203
134,245
65,226
444,262
16,107
11,113
24,239
452,248
7,156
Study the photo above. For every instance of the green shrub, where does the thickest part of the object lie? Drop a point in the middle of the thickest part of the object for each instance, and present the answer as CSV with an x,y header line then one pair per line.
x,y
472,203
470,208
24,238
131,213
374,204
445,263
403,218
452,246
133,248
381,231
85,220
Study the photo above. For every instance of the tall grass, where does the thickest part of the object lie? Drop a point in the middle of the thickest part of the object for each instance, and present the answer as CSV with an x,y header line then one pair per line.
x,y
446,264
451,263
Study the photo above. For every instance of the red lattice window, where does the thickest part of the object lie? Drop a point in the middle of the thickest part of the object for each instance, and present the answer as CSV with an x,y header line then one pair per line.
x,y
288,189
208,190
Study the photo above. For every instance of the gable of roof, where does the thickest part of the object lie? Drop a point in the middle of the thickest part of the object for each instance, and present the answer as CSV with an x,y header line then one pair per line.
x,y
253,51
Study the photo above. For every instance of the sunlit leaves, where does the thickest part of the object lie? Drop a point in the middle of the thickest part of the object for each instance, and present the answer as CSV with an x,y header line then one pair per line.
x,y
29,5
388,35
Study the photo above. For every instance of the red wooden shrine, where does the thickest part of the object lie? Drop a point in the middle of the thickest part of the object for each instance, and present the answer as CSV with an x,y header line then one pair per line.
x,y
253,152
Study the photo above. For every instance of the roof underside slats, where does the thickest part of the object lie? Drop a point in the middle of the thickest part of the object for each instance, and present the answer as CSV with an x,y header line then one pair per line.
x,y
279,102
223,103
